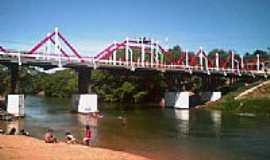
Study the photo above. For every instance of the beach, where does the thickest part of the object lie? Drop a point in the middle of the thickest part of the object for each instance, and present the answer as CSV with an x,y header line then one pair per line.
x,y
16,147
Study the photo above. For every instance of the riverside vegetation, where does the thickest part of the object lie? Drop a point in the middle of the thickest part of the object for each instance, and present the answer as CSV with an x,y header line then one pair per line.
x,y
257,101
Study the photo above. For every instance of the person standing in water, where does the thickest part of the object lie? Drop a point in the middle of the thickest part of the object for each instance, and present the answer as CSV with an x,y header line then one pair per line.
x,y
87,135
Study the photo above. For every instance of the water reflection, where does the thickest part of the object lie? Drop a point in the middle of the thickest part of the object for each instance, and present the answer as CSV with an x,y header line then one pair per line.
x,y
197,122
183,124
84,120
17,124
216,118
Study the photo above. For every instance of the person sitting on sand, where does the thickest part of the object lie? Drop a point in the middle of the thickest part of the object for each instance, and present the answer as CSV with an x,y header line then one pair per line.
x,y
24,132
69,138
87,135
2,131
12,131
49,137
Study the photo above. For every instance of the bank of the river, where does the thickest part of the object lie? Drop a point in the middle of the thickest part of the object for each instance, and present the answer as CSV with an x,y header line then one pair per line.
x,y
255,99
28,148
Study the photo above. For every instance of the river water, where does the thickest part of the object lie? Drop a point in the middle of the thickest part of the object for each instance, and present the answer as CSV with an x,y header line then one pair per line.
x,y
162,134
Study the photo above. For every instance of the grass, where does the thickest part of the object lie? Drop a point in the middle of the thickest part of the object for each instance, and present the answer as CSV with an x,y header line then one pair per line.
x,y
251,104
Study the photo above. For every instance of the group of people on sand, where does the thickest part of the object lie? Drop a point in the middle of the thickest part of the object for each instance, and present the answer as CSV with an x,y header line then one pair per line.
x,y
49,137
13,131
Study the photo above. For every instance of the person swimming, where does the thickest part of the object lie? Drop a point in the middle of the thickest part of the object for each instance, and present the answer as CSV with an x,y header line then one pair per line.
x,y
87,135
123,120
49,137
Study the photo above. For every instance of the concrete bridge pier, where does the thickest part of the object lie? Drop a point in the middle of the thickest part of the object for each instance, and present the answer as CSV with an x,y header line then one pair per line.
x,y
84,76
212,82
177,94
14,78
15,100
177,82
209,90
179,90
171,82
205,82
233,80
84,101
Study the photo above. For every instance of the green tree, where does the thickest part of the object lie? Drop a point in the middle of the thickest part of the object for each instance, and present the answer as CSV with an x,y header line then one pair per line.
x,y
4,80
222,53
174,54
60,84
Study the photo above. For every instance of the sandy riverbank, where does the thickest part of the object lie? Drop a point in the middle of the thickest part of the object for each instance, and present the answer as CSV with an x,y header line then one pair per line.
x,y
28,148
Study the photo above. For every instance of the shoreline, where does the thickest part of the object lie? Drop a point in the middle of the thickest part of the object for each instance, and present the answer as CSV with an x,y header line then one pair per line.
x,y
243,107
18,147
250,100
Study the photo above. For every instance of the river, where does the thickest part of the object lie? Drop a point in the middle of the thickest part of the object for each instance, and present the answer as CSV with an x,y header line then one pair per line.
x,y
162,134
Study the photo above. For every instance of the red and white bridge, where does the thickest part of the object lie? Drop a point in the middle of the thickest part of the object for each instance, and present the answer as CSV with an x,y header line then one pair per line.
x,y
55,51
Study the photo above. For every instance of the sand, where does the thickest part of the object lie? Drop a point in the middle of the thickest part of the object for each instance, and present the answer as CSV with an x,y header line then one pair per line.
x,y
28,148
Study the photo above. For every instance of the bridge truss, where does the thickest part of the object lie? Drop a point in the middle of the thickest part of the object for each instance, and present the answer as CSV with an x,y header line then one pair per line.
x,y
146,54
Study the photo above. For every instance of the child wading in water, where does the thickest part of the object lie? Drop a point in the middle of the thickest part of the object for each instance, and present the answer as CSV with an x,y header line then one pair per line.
x,y
87,135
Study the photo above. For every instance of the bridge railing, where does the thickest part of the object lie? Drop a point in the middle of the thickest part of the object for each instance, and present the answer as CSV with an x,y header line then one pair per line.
x,y
21,57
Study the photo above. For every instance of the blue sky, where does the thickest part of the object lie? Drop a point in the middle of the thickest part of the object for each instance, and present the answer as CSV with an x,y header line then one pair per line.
x,y
90,25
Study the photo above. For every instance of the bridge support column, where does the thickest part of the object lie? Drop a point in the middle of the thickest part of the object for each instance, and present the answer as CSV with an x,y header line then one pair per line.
x,y
233,80
173,82
209,88
14,80
181,100
212,83
84,75
168,81
84,102
15,100
204,82
210,96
